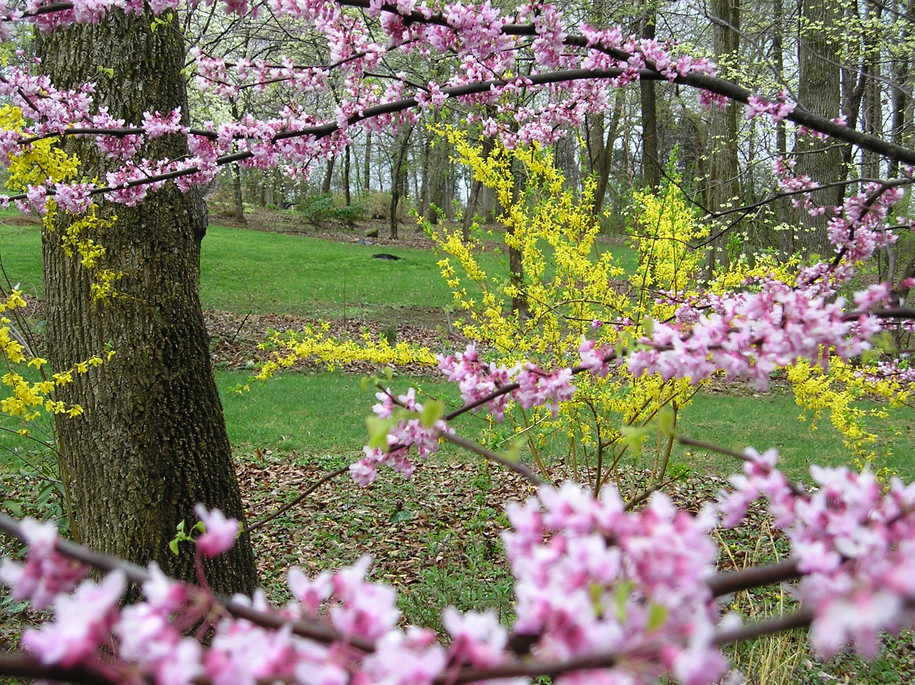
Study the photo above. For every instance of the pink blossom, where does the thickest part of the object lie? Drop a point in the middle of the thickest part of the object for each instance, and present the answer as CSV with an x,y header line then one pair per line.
x,y
46,573
219,531
82,622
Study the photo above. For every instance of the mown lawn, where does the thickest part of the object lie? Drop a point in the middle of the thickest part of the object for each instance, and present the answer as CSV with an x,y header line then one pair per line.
x,y
260,272
254,271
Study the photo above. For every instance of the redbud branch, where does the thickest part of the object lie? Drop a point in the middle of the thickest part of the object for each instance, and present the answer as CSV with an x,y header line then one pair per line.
x,y
286,507
585,662
795,488
710,83
800,619
895,313
138,575
515,466
25,666
755,576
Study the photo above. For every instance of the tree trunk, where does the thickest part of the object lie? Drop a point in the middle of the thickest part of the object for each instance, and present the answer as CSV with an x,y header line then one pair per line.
x,y
347,197
872,110
723,186
819,92
476,188
398,174
901,88
328,176
367,163
237,194
651,171
152,442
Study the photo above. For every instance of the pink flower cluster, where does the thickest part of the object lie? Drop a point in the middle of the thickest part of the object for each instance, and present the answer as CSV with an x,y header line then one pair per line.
x,y
751,334
477,380
777,109
626,591
474,36
405,435
46,573
594,578
854,541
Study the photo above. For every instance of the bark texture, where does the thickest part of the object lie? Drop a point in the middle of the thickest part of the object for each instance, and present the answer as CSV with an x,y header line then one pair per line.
x,y
723,187
152,441
818,92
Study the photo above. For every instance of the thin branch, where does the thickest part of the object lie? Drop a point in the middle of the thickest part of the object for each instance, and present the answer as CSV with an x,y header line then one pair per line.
x,y
286,507
515,466
138,575
754,576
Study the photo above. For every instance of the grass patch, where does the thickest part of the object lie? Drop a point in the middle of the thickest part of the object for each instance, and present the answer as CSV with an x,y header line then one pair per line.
x,y
314,413
771,420
318,413
255,271
20,254
244,270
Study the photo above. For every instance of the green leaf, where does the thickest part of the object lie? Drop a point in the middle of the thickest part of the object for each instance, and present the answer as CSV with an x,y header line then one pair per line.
x,y
401,515
173,546
648,326
432,412
595,594
107,71
657,614
634,437
389,372
513,453
620,596
666,420
13,507
378,431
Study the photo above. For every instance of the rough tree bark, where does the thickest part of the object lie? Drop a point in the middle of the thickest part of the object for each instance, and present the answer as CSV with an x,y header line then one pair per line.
x,y
153,441
651,172
819,92
723,185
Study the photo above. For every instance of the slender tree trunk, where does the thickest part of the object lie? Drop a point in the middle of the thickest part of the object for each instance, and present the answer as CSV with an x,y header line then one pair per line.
x,y
819,92
600,149
651,172
237,194
425,188
901,89
367,164
328,176
347,198
398,175
872,112
723,185
437,181
474,198
781,207
152,442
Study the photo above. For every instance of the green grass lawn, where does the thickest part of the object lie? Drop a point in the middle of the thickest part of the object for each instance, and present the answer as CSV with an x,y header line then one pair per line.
x,y
20,255
253,271
243,270
772,420
324,414
312,413
260,272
